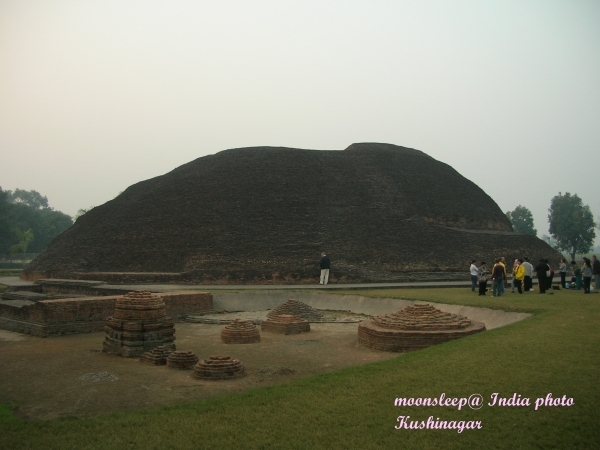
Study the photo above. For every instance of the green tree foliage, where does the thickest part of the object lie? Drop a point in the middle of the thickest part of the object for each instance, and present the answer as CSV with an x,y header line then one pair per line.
x,y
29,210
522,220
25,238
30,198
571,224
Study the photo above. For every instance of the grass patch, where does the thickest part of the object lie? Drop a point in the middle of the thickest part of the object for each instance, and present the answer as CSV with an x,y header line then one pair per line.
x,y
6,413
555,351
527,302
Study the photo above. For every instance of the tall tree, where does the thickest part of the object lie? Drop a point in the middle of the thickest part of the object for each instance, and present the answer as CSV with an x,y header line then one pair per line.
x,y
25,238
522,220
571,224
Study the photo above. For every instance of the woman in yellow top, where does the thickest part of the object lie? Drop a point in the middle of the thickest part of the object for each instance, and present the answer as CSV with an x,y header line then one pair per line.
x,y
519,275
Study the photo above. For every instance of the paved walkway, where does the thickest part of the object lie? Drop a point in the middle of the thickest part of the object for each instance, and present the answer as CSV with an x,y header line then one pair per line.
x,y
16,281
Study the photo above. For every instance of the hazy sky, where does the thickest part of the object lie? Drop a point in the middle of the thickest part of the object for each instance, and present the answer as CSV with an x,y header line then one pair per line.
x,y
98,95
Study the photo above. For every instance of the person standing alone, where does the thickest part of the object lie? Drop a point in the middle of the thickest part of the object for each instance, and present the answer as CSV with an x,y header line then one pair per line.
x,y
325,265
562,269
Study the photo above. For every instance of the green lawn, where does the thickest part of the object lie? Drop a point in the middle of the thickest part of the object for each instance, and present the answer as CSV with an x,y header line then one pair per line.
x,y
556,351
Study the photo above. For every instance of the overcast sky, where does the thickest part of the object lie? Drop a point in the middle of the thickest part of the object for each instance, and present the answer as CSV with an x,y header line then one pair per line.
x,y
98,95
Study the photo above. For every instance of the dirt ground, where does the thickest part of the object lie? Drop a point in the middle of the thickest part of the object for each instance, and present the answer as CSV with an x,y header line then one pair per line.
x,y
48,378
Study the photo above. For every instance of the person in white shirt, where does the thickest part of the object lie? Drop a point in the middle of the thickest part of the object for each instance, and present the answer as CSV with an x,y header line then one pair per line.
x,y
474,274
527,283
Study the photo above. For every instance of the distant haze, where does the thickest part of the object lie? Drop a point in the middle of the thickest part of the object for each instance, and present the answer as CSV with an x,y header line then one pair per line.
x,y
96,96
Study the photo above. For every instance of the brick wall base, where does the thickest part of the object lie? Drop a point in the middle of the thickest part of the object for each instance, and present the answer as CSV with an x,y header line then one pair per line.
x,y
85,315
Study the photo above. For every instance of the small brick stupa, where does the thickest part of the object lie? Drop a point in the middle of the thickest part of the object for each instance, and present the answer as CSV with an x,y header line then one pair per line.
x,y
285,324
182,360
219,368
157,356
240,331
298,309
413,328
139,324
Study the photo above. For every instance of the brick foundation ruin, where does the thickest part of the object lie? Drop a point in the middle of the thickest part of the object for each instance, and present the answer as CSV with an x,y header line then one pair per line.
x,y
285,324
139,324
298,309
182,360
219,368
157,356
240,331
87,314
413,328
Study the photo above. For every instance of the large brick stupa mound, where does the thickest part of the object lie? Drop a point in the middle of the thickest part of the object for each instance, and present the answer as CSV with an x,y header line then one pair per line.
x,y
263,215
413,328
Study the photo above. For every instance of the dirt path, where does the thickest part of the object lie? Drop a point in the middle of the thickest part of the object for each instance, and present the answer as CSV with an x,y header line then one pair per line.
x,y
65,376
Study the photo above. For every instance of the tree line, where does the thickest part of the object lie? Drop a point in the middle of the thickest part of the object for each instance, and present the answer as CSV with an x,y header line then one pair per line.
x,y
27,222
571,223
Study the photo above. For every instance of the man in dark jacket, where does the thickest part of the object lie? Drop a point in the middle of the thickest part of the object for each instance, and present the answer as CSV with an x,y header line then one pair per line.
x,y
596,272
497,278
541,270
325,265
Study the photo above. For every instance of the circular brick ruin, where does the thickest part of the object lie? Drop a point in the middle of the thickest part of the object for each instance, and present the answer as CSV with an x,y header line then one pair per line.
x,y
240,331
182,360
157,356
219,368
139,324
298,309
285,324
413,328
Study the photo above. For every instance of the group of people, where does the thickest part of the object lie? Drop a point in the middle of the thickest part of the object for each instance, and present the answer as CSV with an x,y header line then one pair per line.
x,y
522,273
